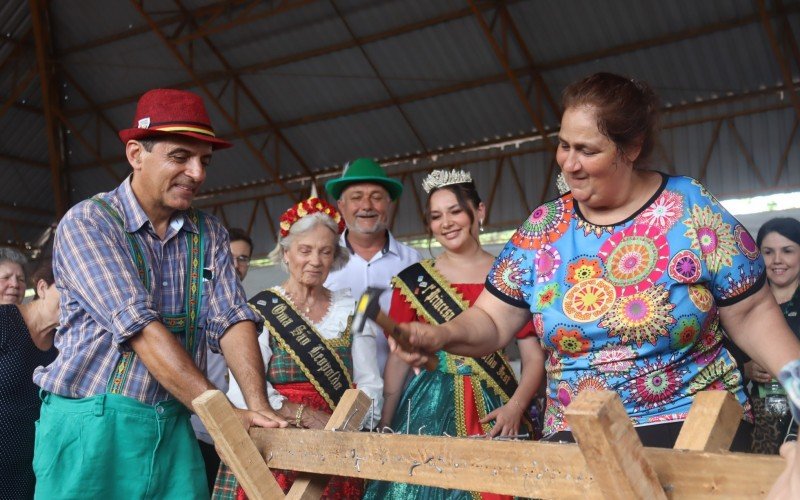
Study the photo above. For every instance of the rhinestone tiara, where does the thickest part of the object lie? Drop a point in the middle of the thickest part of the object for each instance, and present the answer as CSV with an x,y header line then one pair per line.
x,y
439,178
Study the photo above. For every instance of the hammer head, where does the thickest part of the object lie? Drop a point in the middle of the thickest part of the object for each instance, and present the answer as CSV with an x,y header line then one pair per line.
x,y
367,307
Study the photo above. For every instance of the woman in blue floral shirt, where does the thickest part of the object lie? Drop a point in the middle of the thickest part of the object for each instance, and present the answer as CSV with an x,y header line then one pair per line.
x,y
627,277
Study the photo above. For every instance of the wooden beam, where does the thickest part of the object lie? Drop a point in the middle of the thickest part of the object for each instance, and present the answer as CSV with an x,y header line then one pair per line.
x,y
785,155
264,65
747,156
614,453
50,102
88,145
709,151
24,161
254,101
522,468
780,57
21,86
380,78
503,59
712,422
350,411
235,446
26,209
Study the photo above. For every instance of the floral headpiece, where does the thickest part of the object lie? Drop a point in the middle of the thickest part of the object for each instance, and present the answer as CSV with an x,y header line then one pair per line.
x,y
440,178
307,207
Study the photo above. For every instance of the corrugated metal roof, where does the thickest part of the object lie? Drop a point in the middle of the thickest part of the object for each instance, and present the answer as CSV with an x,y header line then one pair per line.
x,y
425,82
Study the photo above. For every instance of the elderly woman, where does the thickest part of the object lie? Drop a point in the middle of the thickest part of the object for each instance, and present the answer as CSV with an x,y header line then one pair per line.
x,y
307,372
26,341
12,276
627,277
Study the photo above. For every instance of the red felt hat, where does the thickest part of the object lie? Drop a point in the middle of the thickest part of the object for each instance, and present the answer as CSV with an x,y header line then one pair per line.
x,y
164,112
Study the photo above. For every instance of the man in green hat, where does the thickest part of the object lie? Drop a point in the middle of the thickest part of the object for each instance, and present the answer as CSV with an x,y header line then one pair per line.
x,y
365,197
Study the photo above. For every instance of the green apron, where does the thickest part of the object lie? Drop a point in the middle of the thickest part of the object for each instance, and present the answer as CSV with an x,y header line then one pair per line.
x,y
113,446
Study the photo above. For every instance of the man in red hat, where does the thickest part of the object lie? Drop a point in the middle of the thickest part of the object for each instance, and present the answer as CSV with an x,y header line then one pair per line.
x,y
146,282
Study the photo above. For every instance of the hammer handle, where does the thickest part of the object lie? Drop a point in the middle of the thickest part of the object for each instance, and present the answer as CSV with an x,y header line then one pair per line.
x,y
390,327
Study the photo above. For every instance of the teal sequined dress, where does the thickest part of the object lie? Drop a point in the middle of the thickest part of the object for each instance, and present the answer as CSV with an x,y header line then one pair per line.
x,y
447,401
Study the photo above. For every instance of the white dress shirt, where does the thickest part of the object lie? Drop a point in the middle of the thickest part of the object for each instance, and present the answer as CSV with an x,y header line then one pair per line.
x,y
359,274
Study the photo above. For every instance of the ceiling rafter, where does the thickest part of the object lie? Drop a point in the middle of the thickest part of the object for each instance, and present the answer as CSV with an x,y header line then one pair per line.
x,y
242,17
209,11
19,52
215,76
621,49
382,80
240,85
519,72
210,95
25,161
504,58
78,134
780,57
59,178
22,85
330,171
20,207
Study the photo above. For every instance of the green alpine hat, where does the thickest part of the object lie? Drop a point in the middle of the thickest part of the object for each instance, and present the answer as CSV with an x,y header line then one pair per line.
x,y
364,170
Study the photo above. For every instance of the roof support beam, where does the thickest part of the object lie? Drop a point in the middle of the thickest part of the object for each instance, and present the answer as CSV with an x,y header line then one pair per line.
x,y
22,85
244,16
785,155
239,85
214,100
780,57
504,60
215,76
78,134
58,168
425,166
211,11
374,68
26,209
25,161
747,156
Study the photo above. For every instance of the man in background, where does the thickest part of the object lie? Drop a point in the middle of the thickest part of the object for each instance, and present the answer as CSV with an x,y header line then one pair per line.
x,y
216,368
365,197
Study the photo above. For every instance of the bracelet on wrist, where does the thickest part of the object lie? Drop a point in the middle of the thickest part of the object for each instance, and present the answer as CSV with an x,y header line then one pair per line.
x,y
298,417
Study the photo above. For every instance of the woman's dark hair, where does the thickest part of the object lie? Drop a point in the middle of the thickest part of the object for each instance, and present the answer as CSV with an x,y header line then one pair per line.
x,y
627,110
44,271
467,198
787,227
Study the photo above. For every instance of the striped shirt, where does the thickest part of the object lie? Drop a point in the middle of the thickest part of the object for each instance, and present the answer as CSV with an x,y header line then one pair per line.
x,y
104,302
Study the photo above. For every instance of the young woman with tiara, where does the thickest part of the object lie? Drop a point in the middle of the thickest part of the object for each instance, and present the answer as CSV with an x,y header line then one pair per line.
x,y
464,396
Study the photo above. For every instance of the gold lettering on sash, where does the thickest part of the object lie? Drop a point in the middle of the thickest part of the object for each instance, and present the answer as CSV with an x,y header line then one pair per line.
x,y
280,314
325,368
300,333
502,372
431,295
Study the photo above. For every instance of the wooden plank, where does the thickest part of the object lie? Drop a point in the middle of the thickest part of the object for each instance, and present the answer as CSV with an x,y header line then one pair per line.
x,y
526,469
712,422
612,448
349,413
239,451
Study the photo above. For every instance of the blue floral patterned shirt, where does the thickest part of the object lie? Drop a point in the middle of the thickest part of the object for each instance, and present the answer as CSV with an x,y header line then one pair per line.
x,y
632,307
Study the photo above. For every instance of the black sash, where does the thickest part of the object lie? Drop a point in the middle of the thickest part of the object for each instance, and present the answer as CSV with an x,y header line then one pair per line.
x,y
323,367
432,297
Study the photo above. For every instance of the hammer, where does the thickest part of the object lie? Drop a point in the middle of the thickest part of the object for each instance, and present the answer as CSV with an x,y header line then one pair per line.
x,y
369,308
